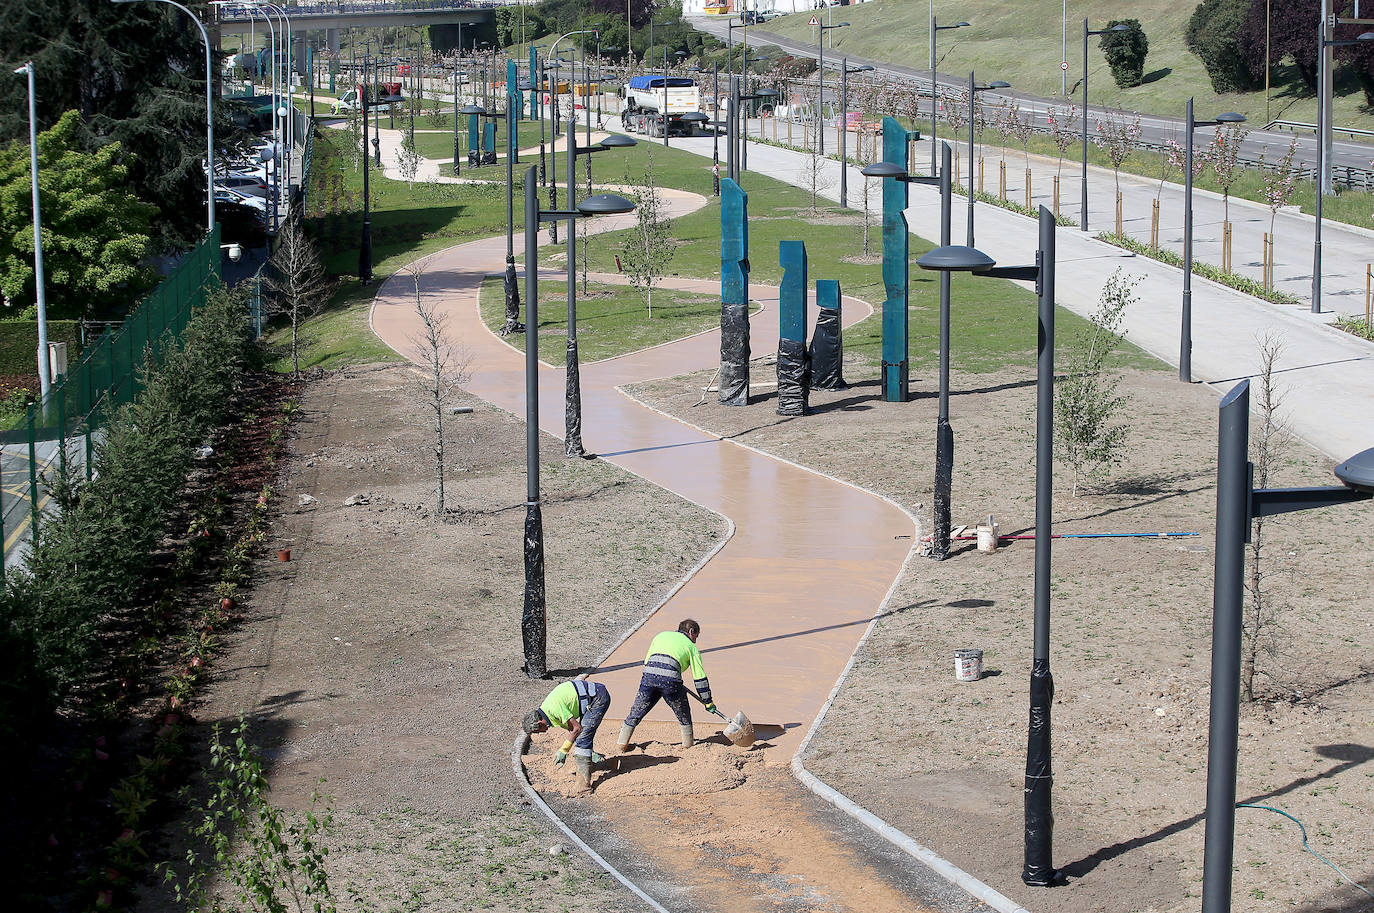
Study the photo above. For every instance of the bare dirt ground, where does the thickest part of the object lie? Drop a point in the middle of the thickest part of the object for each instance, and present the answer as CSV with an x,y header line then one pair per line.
x,y
385,656
944,761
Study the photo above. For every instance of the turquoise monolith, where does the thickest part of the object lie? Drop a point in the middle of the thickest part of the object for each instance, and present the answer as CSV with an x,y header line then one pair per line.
x,y
793,374
895,265
733,387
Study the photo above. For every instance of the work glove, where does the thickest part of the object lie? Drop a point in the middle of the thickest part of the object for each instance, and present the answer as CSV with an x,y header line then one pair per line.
x,y
597,759
559,758
711,708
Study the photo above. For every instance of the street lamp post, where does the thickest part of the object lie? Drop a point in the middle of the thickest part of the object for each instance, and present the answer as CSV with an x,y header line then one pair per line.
x,y
820,86
1185,341
935,29
534,619
1087,33
572,438
1323,181
973,89
512,288
844,126
1039,820
1237,504
209,113
455,116
944,433
40,292
734,140
365,245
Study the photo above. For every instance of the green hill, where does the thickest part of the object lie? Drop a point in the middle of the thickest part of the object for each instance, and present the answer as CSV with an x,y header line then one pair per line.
x,y
1021,43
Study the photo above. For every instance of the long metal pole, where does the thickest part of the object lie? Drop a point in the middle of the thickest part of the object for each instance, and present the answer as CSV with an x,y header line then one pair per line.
x,y
1185,339
41,298
971,91
715,128
1233,522
572,413
455,119
1321,168
844,130
944,433
820,95
1039,817
742,135
663,115
533,619
512,289
365,246
933,29
1083,204
731,147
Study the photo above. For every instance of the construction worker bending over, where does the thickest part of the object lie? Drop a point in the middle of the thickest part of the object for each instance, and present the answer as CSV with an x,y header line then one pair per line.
x,y
577,706
670,655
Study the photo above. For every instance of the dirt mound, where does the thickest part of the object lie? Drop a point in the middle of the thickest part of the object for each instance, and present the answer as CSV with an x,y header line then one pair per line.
x,y
650,768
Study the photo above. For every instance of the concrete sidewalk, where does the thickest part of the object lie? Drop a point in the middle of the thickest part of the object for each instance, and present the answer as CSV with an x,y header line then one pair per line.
x,y
1328,374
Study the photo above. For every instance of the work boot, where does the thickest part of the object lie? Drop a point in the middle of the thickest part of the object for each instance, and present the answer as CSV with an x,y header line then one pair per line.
x,y
627,732
689,736
584,772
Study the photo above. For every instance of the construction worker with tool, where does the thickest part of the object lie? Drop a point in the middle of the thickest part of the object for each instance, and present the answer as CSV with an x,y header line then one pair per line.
x,y
577,706
670,655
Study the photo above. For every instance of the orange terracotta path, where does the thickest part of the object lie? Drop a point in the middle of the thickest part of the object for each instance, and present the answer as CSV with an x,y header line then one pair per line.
x,y
784,603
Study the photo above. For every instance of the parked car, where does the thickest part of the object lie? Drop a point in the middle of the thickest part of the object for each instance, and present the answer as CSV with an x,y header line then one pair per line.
x,y
250,184
240,224
224,195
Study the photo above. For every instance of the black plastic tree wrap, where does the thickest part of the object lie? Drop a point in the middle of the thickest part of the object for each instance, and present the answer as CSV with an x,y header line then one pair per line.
x,y
827,352
794,377
1039,870
572,404
534,620
734,354
944,483
513,324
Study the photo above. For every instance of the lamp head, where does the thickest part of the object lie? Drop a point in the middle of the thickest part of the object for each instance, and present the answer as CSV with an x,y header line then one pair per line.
x,y
866,68
884,170
605,204
956,258
694,117
621,141
1119,28
1367,36
1230,117
961,25
1358,471
472,109
999,84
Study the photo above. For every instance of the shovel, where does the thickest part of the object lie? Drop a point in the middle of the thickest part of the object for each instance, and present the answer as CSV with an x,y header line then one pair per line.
x,y
738,729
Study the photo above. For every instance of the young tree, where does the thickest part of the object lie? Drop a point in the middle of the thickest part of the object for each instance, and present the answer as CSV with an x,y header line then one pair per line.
x,y
1225,160
408,160
1126,52
954,106
296,283
95,231
651,245
1021,126
814,174
1064,130
1279,182
443,369
1087,406
1117,136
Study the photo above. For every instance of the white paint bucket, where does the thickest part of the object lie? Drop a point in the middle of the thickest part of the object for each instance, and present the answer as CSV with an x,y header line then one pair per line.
x,y
968,665
987,538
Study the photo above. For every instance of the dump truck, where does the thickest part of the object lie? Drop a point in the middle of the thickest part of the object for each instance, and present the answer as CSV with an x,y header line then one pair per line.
x,y
655,103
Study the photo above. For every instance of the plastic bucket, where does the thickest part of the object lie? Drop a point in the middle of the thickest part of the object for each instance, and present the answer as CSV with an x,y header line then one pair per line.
x,y
987,538
968,665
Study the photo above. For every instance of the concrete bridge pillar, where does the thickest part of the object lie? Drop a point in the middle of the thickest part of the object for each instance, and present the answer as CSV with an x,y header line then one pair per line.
x,y
331,37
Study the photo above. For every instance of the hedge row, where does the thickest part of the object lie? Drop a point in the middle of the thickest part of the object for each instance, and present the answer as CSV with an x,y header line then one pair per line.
x,y
19,343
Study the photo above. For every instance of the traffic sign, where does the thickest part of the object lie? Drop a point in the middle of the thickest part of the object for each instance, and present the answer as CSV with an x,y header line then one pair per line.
x,y
1063,65
814,21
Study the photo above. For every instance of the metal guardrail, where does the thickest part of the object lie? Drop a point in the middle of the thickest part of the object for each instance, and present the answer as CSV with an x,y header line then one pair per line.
x,y
322,8
1297,126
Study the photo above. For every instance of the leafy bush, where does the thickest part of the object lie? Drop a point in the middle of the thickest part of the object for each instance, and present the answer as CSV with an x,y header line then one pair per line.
x,y
1126,52
1214,36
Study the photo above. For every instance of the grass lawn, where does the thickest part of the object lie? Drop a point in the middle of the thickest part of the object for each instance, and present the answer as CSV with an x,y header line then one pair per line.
x,y
440,145
336,337
1022,43
611,319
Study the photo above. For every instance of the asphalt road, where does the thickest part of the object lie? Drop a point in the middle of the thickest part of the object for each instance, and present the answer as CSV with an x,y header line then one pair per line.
x,y
1153,128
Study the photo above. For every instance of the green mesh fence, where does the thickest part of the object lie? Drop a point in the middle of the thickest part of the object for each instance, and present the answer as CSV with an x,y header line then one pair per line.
x,y
59,432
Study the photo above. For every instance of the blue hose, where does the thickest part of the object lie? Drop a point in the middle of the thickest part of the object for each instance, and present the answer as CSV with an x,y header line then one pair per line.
x,y
1279,811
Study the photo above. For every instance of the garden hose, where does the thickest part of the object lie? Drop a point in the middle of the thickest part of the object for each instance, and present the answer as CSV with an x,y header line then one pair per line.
x,y
1269,808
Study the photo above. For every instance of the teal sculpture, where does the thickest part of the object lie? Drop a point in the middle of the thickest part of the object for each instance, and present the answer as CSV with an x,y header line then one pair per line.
x,y
733,385
793,374
474,141
896,140
512,91
827,345
534,83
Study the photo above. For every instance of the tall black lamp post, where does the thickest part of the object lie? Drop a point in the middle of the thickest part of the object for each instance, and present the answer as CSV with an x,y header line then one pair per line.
x,y
936,29
820,86
944,433
844,126
1237,504
1087,33
365,243
973,89
534,618
1039,870
736,145
572,438
512,288
1185,339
